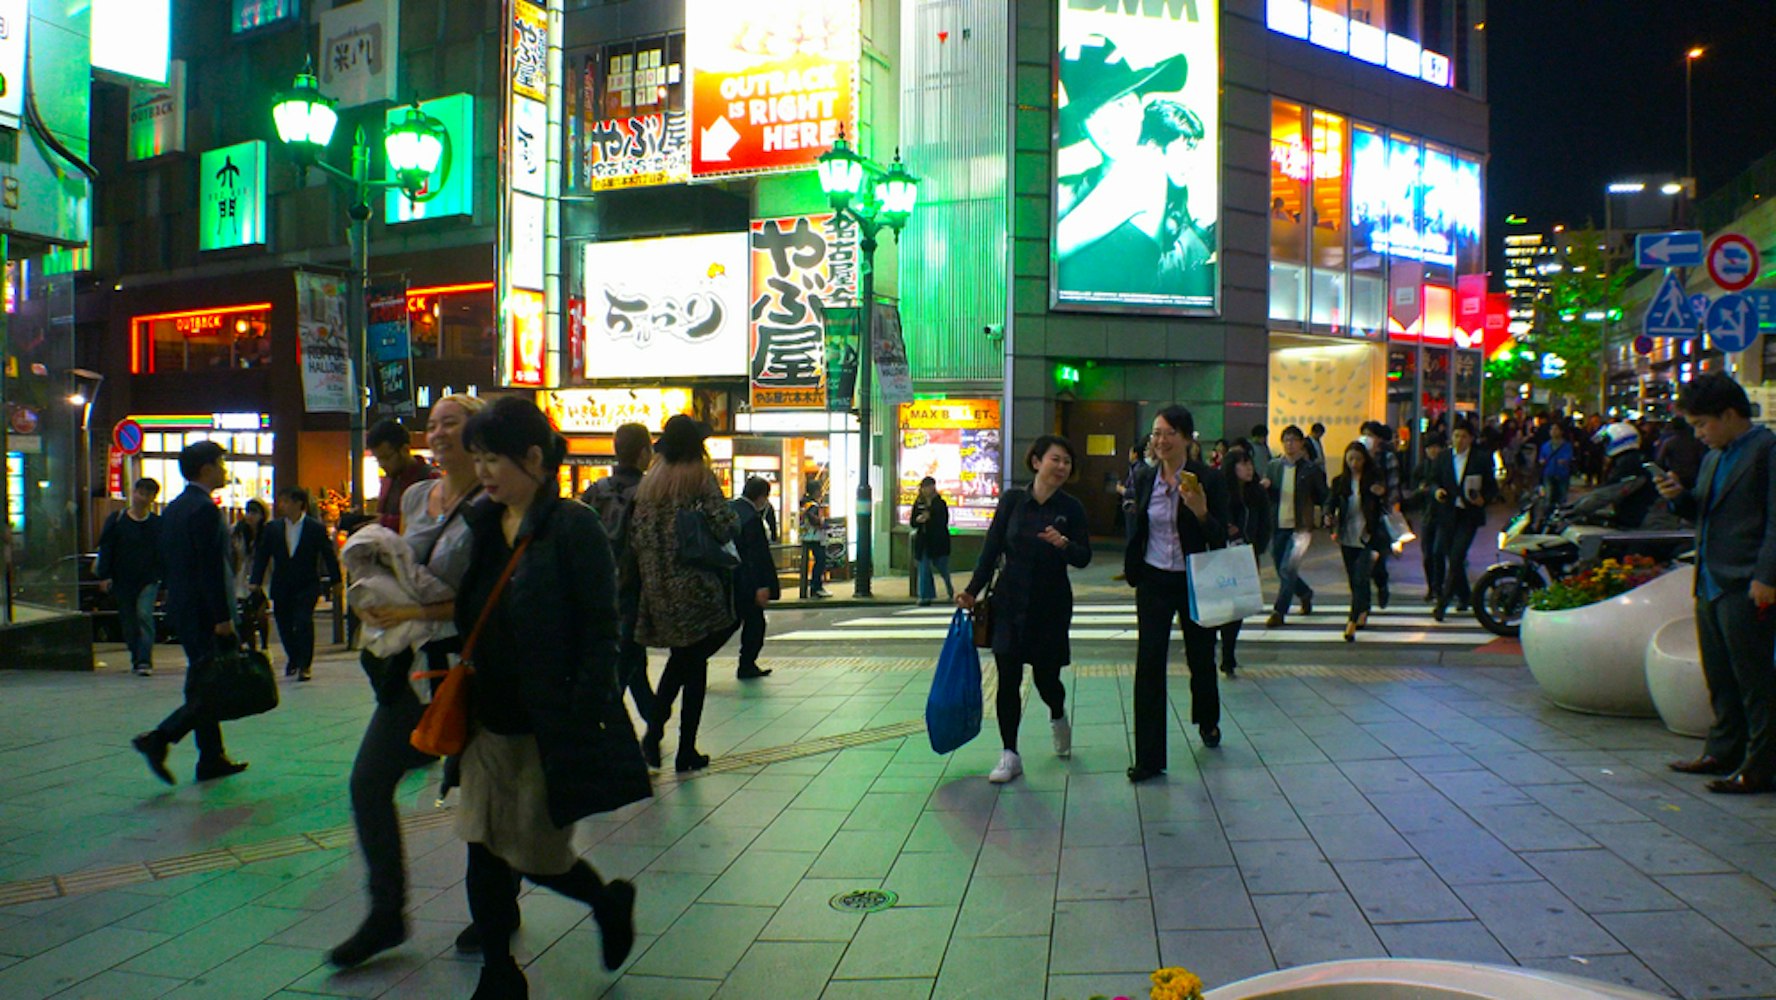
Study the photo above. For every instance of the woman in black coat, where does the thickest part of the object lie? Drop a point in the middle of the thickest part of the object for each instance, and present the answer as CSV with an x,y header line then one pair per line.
x,y
1039,532
1180,510
1355,513
931,542
1248,523
545,677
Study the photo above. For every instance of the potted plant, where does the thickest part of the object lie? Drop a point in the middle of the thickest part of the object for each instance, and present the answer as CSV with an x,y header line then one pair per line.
x,y
1585,636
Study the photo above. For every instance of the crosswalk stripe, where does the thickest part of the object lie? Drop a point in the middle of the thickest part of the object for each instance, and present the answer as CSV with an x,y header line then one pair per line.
x,y
1422,622
1287,634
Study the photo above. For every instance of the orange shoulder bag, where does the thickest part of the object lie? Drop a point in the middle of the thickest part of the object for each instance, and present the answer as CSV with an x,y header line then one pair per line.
x,y
443,730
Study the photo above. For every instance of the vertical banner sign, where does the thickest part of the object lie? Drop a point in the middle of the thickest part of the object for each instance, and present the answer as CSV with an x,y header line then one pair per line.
x,y
114,476
774,82
841,359
892,371
358,46
530,126
524,313
1137,157
530,50
231,197
323,345
391,351
802,267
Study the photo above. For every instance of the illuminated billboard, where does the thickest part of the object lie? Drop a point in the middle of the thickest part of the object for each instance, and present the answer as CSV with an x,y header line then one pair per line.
x,y
1137,157
1354,34
1410,202
457,114
774,82
132,37
803,268
957,442
672,307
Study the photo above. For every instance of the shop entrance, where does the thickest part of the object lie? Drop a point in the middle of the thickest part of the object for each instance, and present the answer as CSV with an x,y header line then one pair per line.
x,y
1102,434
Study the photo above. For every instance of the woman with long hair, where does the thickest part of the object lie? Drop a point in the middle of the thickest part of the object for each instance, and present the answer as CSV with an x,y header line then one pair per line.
x,y
1180,510
243,541
1039,532
1355,515
1248,523
433,526
539,601
684,608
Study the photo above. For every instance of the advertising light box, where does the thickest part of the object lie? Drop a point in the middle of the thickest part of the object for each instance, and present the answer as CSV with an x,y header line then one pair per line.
x,y
803,269
250,15
1412,203
231,197
457,114
957,442
132,37
1137,157
14,27
673,307
774,82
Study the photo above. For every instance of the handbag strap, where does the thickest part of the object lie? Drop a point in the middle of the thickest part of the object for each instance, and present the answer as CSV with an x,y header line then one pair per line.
x,y
465,658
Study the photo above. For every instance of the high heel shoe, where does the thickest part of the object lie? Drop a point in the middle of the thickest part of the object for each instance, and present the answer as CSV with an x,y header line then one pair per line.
x,y
1363,620
690,761
1350,631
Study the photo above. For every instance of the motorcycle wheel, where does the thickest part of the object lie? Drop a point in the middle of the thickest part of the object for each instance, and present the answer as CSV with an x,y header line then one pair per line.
x,y
1501,596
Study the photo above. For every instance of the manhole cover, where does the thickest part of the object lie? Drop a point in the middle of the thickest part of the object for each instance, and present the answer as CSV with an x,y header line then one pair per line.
x,y
864,901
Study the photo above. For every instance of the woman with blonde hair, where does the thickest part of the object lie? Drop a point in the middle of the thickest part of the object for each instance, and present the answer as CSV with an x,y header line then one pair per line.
x,y
687,608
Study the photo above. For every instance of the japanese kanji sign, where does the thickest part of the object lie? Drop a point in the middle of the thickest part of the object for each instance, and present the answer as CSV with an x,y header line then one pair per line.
x,y
358,46
637,151
231,197
530,50
802,267
673,307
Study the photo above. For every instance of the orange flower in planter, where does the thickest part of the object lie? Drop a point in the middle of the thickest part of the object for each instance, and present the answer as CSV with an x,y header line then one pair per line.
x,y
1607,579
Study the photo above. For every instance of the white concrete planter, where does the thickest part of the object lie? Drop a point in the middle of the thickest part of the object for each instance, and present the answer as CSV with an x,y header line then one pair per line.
x,y
1418,979
1593,659
1674,677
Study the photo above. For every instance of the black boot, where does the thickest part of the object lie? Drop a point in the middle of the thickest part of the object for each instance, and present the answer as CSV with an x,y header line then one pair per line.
x,y
615,913
379,932
502,980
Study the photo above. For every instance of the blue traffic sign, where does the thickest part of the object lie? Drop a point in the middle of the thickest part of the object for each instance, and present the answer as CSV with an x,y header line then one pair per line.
x,y
1679,249
1669,314
1698,306
1732,324
1763,303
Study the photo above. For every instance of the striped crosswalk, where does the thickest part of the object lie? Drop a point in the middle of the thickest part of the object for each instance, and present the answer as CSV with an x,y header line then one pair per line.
x,y
1115,623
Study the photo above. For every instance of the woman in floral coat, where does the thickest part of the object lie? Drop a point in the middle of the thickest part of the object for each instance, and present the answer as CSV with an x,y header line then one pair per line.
x,y
687,609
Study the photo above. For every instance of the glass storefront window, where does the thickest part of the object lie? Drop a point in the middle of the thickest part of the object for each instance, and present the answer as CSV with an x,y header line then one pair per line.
x,y
1368,214
452,323
1289,170
1330,228
218,340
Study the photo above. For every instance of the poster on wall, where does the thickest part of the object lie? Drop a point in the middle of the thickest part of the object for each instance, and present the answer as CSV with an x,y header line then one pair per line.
x,y
803,267
673,307
775,81
633,127
1137,158
322,344
390,343
958,443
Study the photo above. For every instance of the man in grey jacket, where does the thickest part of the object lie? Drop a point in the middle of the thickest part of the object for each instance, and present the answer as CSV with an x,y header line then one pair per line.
x,y
1734,506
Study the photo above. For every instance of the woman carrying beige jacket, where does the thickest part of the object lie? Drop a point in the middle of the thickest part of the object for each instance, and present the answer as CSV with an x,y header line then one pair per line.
x,y
687,609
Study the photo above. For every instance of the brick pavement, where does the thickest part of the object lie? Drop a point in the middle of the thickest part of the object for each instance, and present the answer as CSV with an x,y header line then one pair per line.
x,y
1443,812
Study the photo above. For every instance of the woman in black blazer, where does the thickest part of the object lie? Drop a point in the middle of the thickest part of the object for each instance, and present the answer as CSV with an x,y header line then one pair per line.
x,y
1355,514
1180,509
1040,531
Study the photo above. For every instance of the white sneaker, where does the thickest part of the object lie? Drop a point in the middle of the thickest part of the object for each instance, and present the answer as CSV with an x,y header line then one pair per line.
x,y
1063,734
1010,766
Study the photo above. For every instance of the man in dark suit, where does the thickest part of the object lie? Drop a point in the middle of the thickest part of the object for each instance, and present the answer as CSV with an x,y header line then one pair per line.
x,y
303,564
1734,506
1296,483
755,580
1180,509
1465,485
194,563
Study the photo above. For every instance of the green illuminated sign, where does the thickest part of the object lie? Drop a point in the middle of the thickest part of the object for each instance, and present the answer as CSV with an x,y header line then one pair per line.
x,y
231,197
1066,375
253,14
457,113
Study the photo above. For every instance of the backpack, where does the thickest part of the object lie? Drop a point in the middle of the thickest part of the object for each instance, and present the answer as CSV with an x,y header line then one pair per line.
x,y
611,498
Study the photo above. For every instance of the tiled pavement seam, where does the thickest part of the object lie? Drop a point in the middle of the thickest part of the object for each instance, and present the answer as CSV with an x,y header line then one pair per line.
x,y
1326,799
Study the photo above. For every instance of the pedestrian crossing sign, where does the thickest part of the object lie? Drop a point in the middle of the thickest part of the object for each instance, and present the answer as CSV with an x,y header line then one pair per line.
x,y
1669,314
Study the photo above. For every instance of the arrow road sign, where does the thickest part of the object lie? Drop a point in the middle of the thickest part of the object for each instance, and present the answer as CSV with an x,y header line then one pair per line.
x,y
1732,262
1732,326
1669,315
1679,249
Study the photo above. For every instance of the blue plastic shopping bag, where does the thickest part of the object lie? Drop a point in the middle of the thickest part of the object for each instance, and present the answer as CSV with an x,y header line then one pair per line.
x,y
953,711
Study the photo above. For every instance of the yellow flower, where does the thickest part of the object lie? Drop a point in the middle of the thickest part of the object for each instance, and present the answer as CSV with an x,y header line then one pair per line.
x,y
1176,984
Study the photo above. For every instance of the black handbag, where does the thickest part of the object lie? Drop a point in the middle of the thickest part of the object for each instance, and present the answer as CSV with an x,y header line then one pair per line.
x,y
236,683
697,545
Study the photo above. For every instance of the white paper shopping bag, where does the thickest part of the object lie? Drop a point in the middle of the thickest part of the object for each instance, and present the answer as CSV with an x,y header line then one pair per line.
x,y
1224,586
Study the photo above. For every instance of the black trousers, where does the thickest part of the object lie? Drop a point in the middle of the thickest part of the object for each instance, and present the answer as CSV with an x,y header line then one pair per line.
x,y
1430,533
1378,574
295,615
1009,701
1161,598
687,670
752,634
1357,570
384,756
1455,538
632,673
493,903
1230,634
1737,642
199,641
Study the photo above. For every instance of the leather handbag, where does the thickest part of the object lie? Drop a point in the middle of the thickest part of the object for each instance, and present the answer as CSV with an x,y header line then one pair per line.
x,y
443,730
237,682
697,545
982,616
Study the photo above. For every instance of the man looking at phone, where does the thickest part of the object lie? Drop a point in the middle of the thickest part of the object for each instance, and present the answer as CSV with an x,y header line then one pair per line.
x,y
1465,485
1734,506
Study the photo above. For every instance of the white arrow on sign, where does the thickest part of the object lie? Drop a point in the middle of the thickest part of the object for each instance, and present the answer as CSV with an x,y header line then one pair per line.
x,y
1660,250
719,140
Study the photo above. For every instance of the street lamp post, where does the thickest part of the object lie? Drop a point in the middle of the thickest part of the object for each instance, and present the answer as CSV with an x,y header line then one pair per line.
x,y
887,202
417,147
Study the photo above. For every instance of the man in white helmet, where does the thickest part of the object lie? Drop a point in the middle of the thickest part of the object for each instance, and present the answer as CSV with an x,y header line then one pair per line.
x,y
1624,461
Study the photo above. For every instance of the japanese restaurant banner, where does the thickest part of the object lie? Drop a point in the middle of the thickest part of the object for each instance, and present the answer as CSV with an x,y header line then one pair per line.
x,y
774,82
530,50
803,266
323,345
671,307
390,343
